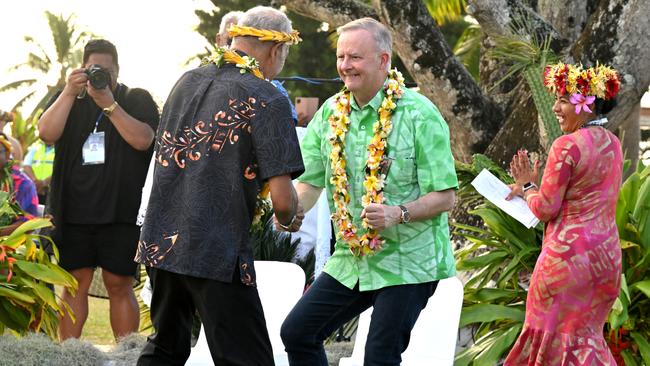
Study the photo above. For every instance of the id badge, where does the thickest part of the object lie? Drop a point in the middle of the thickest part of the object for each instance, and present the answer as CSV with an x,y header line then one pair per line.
x,y
93,149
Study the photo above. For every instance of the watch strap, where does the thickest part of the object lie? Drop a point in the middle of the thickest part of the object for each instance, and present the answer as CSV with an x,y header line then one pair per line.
x,y
529,185
108,110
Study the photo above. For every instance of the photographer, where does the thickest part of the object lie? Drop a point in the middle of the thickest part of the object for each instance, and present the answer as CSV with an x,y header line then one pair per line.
x,y
103,133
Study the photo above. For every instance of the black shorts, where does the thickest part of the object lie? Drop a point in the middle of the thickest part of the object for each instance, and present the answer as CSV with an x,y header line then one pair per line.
x,y
109,246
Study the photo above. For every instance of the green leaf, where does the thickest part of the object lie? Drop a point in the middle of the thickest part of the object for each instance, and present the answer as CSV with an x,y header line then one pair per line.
x,y
12,294
626,244
488,312
498,345
13,317
618,314
643,286
624,288
644,346
628,358
43,272
17,237
492,295
483,260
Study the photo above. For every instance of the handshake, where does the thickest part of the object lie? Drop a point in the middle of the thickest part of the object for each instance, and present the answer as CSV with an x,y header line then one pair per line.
x,y
294,224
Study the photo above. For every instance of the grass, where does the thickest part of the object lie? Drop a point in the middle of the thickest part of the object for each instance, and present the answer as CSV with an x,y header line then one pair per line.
x,y
98,325
98,331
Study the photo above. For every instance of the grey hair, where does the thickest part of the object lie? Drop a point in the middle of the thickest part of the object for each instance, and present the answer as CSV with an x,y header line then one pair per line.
x,y
264,17
380,33
229,18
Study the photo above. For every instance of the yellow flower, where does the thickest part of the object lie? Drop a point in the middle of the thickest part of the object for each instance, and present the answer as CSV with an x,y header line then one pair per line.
x,y
371,183
339,122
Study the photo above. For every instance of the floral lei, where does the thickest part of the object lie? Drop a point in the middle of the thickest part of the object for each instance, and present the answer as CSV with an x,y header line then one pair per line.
x,y
246,64
369,241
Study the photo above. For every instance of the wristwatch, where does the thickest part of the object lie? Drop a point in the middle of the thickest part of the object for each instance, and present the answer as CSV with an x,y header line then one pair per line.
x,y
108,110
405,216
529,185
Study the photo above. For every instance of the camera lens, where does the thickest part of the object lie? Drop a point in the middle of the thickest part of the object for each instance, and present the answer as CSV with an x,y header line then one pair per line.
x,y
99,78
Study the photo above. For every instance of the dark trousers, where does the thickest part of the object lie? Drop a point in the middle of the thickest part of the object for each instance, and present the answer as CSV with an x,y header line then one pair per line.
x,y
328,304
231,314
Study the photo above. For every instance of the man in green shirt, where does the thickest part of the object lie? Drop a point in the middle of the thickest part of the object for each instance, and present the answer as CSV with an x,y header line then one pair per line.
x,y
382,153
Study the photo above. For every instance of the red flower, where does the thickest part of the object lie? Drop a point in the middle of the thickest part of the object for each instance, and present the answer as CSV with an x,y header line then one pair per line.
x,y
611,87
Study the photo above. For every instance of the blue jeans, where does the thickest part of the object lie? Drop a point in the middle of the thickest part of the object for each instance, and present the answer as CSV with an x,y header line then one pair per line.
x,y
328,304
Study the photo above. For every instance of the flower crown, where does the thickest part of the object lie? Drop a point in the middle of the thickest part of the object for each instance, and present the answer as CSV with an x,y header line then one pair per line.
x,y
599,82
264,34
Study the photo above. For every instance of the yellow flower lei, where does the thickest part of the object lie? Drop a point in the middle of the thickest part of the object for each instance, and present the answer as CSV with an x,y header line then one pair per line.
x,y
264,34
370,241
245,63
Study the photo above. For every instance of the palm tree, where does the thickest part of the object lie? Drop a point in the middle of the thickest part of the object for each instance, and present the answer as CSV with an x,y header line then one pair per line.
x,y
68,41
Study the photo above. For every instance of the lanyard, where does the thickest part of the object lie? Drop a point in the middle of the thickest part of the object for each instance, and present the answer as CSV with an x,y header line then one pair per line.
x,y
99,118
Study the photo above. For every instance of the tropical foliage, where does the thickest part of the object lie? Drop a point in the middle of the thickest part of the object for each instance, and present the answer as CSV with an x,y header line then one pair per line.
x,y
67,41
628,325
500,257
24,129
26,302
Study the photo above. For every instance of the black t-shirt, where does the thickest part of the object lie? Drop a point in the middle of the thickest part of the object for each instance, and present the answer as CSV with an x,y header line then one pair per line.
x,y
102,193
222,134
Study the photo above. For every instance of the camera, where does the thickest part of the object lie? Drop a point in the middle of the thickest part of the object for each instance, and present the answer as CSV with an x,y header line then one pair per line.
x,y
98,76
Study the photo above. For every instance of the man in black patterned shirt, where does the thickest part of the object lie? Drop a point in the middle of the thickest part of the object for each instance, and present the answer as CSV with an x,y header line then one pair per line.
x,y
225,134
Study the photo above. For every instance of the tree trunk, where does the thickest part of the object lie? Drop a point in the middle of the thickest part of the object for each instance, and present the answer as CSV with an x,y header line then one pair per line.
x,y
473,118
630,132
617,34
612,32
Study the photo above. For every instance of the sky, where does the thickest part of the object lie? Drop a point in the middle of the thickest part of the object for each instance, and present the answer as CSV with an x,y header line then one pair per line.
x,y
154,39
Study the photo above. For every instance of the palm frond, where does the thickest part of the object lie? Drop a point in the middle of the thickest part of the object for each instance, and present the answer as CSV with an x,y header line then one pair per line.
x,y
17,84
38,63
22,101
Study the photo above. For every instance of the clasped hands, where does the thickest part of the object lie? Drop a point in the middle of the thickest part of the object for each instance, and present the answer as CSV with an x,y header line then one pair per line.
x,y
296,221
522,173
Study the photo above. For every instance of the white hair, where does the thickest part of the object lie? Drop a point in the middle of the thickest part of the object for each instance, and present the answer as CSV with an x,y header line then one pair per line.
x,y
264,17
380,33
229,18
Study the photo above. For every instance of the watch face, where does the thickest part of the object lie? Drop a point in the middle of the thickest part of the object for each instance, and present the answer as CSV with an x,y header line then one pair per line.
x,y
406,215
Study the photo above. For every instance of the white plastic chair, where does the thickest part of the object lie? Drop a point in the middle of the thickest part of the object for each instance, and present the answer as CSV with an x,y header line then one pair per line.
x,y
433,339
280,286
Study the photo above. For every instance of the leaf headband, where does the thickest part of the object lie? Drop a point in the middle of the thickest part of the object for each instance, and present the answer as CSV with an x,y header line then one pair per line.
x,y
264,34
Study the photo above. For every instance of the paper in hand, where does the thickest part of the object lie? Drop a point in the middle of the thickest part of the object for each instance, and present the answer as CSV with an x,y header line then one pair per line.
x,y
496,192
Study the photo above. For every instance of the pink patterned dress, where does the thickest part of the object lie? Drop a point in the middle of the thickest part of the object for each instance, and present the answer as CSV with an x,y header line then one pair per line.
x,y
577,276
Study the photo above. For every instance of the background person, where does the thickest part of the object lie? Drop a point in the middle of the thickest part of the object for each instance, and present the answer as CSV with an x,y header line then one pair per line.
x,y
103,146
225,135
383,154
577,275
38,165
16,149
15,182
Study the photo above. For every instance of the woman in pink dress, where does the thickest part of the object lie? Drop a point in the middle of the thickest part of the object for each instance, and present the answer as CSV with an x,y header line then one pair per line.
x,y
577,276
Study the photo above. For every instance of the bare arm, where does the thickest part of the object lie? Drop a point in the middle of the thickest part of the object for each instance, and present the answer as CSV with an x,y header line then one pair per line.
x,y
307,195
430,205
52,121
136,133
284,198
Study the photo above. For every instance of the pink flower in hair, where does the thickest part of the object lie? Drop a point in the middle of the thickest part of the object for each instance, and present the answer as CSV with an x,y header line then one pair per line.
x,y
581,102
